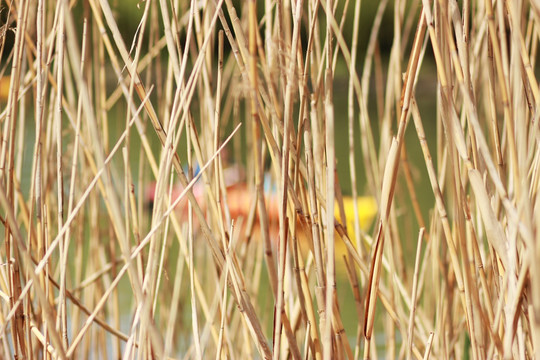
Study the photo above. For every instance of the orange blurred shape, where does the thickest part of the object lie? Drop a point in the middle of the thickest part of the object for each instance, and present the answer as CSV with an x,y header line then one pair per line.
x,y
4,88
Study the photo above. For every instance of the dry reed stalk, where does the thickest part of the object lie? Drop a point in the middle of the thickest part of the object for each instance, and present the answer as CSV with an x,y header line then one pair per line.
x,y
410,331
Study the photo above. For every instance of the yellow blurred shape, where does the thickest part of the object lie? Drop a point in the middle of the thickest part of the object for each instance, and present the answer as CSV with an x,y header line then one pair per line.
x,y
367,210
